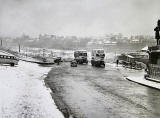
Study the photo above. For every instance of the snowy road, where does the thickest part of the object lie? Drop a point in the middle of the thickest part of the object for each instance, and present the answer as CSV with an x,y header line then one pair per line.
x,y
90,92
23,93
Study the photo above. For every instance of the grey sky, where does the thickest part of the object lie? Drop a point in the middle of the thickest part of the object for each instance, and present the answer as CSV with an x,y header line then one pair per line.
x,y
78,17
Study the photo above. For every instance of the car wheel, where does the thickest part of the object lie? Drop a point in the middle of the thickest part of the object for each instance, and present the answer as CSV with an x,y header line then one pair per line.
x,y
12,64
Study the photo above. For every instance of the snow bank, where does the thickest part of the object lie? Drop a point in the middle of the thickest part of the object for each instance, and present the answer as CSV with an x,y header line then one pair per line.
x,y
23,94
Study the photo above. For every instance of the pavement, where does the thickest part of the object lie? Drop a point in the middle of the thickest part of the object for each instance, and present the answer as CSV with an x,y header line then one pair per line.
x,y
138,77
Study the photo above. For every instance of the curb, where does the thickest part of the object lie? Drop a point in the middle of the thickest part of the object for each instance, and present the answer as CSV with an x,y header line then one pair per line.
x,y
151,79
142,84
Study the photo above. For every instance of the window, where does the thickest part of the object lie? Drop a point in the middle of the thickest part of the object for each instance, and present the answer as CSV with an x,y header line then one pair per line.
x,y
100,51
84,54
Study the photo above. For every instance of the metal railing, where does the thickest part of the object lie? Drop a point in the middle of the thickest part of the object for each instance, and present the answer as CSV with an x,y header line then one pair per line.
x,y
154,71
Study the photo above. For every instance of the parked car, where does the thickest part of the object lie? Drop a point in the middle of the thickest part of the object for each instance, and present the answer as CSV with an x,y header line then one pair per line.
x,y
58,59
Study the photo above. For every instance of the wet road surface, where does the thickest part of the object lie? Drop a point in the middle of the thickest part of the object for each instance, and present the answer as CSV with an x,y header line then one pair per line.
x,y
91,92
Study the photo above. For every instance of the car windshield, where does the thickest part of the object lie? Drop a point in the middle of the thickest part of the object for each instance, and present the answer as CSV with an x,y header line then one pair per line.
x,y
83,54
80,54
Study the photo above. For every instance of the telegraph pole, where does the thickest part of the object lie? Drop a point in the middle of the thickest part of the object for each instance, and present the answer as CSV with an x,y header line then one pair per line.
x,y
19,46
1,43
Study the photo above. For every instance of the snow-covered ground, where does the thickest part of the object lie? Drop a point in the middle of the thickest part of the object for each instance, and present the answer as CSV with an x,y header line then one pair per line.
x,y
23,93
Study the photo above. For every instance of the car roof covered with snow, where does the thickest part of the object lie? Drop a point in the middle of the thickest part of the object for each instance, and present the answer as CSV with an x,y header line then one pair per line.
x,y
5,53
84,51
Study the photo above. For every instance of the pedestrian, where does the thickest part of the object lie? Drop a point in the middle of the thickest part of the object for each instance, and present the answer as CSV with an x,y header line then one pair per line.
x,y
58,61
117,62
147,67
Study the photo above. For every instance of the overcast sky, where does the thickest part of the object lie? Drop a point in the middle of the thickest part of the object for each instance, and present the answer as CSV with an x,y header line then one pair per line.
x,y
78,17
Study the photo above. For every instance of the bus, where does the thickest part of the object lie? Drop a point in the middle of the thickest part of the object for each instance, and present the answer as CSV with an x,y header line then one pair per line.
x,y
81,56
98,56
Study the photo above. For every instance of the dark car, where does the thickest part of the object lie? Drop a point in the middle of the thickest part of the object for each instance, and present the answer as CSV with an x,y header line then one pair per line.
x,y
58,59
74,63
